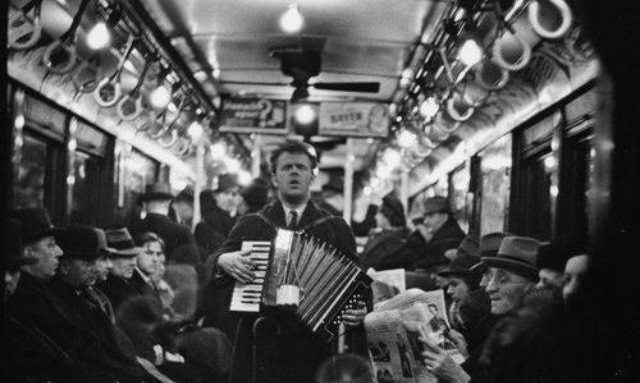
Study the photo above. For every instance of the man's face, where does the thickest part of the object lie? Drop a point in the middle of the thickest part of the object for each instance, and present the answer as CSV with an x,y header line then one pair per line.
x,y
149,259
11,279
293,176
103,266
229,199
123,267
48,254
434,221
457,289
506,290
80,273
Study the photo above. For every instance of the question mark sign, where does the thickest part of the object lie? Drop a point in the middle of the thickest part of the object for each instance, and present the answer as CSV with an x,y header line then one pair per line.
x,y
266,109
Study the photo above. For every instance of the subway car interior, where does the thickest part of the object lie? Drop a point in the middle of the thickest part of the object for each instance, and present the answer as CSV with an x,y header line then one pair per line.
x,y
510,117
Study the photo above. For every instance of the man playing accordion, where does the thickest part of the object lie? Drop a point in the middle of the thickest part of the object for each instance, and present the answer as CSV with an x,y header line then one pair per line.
x,y
274,346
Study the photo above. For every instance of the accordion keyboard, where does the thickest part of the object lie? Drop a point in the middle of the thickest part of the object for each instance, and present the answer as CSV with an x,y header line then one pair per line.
x,y
246,297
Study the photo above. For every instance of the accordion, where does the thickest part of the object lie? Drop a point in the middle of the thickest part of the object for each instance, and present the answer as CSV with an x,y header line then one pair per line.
x,y
297,271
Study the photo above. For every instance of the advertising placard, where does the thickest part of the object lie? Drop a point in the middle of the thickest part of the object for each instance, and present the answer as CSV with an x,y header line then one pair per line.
x,y
354,119
253,115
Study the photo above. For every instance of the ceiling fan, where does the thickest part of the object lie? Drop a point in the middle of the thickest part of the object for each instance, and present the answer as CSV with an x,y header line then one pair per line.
x,y
302,63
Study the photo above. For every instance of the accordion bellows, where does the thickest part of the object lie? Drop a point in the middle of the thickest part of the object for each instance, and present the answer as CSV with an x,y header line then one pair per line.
x,y
329,281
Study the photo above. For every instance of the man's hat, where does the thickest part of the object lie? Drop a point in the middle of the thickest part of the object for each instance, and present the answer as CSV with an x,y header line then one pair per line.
x,y
226,181
460,266
120,243
517,254
83,242
468,247
490,243
394,211
35,224
157,191
437,204
14,258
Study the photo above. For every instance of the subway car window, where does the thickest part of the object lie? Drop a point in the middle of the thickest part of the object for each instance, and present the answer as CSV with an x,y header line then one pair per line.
x,y
247,191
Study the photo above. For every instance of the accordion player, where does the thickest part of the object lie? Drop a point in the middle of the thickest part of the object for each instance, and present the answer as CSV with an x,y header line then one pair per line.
x,y
299,272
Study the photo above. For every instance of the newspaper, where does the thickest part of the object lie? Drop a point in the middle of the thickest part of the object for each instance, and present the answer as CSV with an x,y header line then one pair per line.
x,y
393,277
393,329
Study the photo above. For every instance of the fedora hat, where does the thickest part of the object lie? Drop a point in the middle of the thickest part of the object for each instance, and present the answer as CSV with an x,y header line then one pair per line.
x,y
517,254
14,257
437,204
226,181
490,243
157,191
35,224
120,243
469,247
82,242
460,266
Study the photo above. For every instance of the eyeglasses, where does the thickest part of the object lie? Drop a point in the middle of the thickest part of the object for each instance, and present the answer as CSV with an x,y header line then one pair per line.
x,y
499,277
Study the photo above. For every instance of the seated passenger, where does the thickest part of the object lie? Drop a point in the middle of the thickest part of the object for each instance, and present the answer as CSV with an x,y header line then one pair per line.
x,y
389,237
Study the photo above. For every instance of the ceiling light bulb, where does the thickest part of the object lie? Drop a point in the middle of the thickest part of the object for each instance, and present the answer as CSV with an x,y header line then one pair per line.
x,y
232,165
218,151
99,36
470,52
406,139
244,177
195,130
392,158
305,114
429,107
292,21
159,97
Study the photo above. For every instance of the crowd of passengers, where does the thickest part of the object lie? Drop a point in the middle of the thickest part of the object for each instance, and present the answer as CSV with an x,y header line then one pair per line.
x,y
136,303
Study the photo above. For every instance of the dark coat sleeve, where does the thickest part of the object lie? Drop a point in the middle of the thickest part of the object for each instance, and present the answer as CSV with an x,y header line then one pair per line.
x,y
362,228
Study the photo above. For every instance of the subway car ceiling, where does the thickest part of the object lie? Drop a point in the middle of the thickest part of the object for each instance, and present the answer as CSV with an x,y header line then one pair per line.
x,y
446,78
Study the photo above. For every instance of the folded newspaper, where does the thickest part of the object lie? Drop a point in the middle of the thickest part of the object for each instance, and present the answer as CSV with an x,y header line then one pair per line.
x,y
393,329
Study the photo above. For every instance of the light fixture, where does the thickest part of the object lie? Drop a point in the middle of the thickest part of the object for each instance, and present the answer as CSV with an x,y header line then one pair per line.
x,y
159,97
291,21
244,177
218,151
470,52
407,139
99,36
195,130
391,157
304,114
232,165
429,107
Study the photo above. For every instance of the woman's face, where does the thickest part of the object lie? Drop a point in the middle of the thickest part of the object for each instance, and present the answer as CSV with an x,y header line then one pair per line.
x,y
457,289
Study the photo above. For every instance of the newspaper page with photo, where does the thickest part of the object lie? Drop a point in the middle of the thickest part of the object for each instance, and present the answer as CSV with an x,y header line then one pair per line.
x,y
393,357
427,307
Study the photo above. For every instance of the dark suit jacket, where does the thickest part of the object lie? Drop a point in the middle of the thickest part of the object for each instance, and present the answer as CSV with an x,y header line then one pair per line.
x,y
383,245
180,246
294,353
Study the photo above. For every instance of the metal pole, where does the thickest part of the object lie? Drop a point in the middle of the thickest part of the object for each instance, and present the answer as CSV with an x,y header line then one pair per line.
x,y
200,180
348,182
404,190
255,161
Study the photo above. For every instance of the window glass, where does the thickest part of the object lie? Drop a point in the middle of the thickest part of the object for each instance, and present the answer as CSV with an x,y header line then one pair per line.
x,y
133,172
495,168
29,185
460,199
85,189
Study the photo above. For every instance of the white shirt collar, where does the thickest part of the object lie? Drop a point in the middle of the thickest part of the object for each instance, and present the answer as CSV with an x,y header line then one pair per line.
x,y
288,210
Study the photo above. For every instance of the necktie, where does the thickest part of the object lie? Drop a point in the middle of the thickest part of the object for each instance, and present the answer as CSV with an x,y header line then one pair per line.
x,y
293,220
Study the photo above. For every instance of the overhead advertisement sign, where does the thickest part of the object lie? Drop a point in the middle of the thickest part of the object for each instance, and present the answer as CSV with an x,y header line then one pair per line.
x,y
253,115
354,119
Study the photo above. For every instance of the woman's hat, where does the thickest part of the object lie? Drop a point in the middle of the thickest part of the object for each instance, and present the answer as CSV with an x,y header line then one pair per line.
x,y
394,211
35,224
157,191
226,181
83,242
517,254
459,266
120,244
468,247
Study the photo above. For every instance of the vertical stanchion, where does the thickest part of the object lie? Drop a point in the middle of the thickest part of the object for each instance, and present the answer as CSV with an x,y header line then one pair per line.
x,y
348,182
404,190
200,180
255,161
